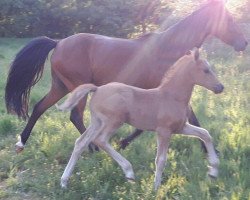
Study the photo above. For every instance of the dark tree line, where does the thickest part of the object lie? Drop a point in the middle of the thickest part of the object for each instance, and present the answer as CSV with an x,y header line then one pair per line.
x,y
60,18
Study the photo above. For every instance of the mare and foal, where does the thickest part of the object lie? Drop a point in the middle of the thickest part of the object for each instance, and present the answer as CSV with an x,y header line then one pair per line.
x,y
163,109
90,58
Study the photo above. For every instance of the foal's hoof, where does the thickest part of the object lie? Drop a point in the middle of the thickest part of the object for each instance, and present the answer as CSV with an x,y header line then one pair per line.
x,y
213,172
19,147
130,176
131,180
64,184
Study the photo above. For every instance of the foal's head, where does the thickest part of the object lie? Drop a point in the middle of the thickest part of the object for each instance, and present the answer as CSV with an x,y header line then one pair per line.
x,y
223,26
201,73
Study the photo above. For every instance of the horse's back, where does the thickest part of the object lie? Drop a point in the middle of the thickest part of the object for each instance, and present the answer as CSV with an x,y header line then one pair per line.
x,y
84,58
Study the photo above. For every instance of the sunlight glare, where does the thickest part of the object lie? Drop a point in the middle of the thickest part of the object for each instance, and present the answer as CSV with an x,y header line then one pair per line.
x,y
235,5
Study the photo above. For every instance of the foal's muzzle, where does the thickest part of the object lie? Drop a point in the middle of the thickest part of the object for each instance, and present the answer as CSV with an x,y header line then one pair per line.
x,y
218,88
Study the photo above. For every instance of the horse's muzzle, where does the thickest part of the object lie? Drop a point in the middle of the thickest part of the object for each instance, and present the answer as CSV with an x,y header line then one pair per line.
x,y
240,46
218,89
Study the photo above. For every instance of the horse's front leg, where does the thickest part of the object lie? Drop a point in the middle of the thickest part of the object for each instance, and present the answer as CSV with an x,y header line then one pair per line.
x,y
204,135
163,138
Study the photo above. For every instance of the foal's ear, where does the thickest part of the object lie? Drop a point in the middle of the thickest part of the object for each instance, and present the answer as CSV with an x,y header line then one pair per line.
x,y
196,54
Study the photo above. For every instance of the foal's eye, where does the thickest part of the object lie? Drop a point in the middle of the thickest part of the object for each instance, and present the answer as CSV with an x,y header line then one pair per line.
x,y
206,71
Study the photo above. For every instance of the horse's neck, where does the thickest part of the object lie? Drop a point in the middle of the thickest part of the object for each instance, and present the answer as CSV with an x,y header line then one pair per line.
x,y
185,35
178,85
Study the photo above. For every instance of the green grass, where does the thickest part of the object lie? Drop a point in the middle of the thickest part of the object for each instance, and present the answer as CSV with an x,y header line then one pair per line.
x,y
35,173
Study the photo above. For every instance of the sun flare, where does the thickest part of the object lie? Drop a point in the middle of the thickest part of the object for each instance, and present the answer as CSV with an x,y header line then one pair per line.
x,y
235,5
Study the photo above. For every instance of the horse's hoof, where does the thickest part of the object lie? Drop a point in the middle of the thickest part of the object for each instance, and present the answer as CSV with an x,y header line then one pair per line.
x,y
93,147
123,144
19,147
217,152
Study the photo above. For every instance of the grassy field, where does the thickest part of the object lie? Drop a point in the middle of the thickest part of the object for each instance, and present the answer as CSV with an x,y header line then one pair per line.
x,y
35,173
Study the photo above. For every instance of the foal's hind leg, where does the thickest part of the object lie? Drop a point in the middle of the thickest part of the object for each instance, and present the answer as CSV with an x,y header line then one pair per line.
x,y
102,141
76,117
81,143
56,93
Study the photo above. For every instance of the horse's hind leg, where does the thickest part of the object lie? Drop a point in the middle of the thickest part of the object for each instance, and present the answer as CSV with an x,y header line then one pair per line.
x,y
76,115
56,93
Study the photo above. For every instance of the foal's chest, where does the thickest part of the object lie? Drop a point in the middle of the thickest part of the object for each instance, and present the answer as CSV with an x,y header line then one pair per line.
x,y
172,118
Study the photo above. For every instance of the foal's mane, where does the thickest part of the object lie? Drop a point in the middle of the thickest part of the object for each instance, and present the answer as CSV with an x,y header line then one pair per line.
x,y
173,69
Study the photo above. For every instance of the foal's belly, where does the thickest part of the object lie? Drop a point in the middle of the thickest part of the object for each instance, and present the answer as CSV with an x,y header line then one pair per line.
x,y
143,122
143,110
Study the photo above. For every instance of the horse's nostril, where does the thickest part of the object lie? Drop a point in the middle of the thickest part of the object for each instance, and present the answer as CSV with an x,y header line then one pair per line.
x,y
246,43
222,87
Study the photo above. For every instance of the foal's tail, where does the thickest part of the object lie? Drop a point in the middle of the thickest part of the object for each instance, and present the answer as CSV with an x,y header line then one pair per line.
x,y
77,94
25,71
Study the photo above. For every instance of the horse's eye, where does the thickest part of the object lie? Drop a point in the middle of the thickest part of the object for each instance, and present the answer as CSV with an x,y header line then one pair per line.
x,y
206,71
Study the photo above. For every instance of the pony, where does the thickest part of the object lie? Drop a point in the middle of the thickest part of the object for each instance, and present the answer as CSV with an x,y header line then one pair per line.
x,y
90,58
163,109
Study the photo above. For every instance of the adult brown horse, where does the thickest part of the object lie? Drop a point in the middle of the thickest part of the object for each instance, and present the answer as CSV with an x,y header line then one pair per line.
x,y
89,58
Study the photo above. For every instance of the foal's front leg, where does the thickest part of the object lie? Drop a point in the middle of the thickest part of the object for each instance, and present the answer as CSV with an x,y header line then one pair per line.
x,y
163,138
204,135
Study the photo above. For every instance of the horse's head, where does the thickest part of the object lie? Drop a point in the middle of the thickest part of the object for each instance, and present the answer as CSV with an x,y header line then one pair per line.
x,y
202,74
223,26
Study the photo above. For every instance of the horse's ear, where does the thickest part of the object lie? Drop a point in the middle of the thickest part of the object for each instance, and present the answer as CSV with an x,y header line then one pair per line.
x,y
196,54
217,1
188,52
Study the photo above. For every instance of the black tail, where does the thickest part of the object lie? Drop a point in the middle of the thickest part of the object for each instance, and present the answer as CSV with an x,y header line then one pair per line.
x,y
25,71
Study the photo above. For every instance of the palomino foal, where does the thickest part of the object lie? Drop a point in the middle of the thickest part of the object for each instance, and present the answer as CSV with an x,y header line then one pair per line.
x,y
163,109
